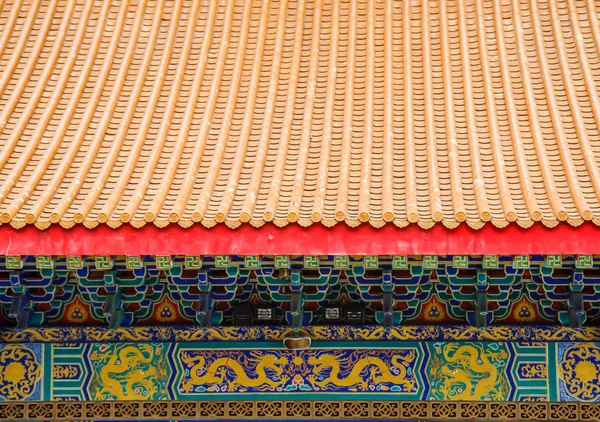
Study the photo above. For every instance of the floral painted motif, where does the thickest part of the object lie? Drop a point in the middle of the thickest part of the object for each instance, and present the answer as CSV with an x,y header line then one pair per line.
x,y
579,370
20,372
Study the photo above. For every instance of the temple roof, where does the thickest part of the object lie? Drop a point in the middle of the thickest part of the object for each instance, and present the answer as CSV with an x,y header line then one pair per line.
x,y
177,111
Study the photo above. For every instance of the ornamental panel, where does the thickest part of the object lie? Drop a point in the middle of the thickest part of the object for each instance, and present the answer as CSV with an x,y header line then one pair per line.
x,y
442,371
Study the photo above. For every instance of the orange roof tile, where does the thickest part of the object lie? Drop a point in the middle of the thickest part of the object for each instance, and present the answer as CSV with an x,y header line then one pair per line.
x,y
299,111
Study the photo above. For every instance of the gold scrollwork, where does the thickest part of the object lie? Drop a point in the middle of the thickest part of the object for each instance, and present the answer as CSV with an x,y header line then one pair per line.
x,y
20,372
580,371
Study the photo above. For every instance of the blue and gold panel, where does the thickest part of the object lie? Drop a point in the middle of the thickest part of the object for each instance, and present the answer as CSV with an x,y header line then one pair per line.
x,y
285,371
71,371
405,370
579,371
528,371
21,371
366,371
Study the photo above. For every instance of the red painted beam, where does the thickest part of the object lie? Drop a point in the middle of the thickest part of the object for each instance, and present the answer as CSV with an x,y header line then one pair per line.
x,y
296,240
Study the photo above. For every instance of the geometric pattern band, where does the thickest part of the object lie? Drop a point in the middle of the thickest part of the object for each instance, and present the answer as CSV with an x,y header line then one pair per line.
x,y
308,410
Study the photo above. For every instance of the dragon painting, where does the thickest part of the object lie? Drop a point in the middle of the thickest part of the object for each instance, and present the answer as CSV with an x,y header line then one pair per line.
x,y
235,375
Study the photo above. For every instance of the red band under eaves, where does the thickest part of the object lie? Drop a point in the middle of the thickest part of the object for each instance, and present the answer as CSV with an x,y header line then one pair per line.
x,y
296,240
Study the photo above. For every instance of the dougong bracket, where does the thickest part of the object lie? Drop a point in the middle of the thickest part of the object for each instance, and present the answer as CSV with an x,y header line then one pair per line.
x,y
481,299
296,299
576,308
205,301
113,308
20,306
387,299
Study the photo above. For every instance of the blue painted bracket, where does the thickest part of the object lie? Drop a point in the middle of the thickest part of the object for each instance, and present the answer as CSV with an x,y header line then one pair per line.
x,y
205,300
296,299
113,309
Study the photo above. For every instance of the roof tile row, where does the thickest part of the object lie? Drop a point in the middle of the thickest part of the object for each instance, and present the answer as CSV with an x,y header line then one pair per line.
x,y
184,111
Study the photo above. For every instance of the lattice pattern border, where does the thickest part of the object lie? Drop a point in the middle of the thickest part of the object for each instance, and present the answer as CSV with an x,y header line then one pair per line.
x,y
266,410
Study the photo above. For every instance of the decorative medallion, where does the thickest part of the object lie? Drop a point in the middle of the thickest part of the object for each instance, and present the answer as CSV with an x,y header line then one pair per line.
x,y
341,262
400,262
252,261
193,262
311,262
524,311
430,262
282,261
490,262
371,262
163,262
74,262
104,262
222,261
460,261
20,372
133,262
14,262
553,261
434,311
521,262
166,312
44,261
579,370
584,261
78,312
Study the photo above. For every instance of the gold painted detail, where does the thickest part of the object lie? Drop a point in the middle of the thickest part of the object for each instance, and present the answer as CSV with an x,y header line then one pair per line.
x,y
434,310
469,372
366,371
579,370
60,372
524,311
129,372
533,371
216,373
161,333
20,372
256,371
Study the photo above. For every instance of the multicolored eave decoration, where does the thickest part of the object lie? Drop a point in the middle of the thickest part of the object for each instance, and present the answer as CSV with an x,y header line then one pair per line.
x,y
300,209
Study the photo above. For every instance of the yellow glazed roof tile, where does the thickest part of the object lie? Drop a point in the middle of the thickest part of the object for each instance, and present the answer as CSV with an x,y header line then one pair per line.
x,y
322,111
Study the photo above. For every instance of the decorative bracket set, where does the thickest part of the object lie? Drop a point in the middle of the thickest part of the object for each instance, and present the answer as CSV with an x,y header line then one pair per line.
x,y
478,290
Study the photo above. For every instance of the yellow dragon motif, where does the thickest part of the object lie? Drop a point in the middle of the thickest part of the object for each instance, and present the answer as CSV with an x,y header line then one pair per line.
x,y
128,373
470,374
379,372
216,372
